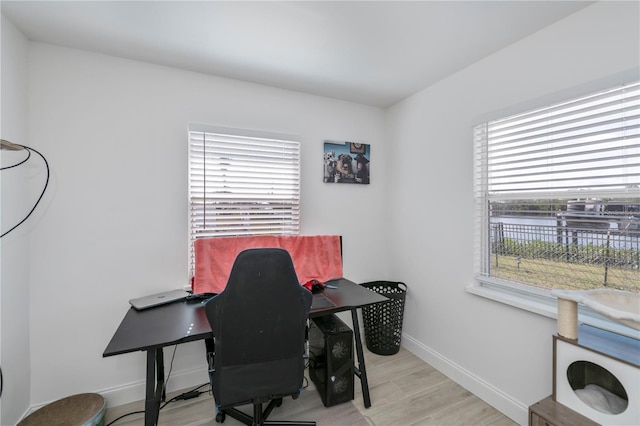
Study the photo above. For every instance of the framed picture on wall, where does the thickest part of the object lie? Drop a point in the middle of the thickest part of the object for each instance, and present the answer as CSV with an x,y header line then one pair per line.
x,y
347,162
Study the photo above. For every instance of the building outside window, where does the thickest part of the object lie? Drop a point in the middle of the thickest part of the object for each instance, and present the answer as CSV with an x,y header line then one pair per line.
x,y
557,195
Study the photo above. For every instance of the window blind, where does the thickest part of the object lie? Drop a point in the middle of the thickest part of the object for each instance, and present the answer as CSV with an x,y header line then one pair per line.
x,y
559,189
243,184
587,146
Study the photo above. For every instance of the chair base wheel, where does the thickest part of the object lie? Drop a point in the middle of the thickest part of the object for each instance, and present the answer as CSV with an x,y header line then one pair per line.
x,y
220,417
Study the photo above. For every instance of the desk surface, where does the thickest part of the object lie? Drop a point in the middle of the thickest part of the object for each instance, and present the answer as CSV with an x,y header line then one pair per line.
x,y
182,322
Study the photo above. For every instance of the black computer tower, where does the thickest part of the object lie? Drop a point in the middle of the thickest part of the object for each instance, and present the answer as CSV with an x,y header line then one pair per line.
x,y
331,359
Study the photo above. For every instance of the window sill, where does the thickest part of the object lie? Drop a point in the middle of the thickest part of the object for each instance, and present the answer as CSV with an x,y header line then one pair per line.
x,y
541,302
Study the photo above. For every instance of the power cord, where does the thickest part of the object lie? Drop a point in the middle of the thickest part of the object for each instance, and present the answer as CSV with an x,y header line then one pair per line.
x,y
46,163
193,393
305,382
125,415
21,162
166,382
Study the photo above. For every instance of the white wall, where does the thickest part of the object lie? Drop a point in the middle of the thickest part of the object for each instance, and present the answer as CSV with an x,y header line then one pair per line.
x,y
114,222
16,200
500,353
115,225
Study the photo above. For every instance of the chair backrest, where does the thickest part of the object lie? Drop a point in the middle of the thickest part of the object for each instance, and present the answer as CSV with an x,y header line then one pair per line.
x,y
258,325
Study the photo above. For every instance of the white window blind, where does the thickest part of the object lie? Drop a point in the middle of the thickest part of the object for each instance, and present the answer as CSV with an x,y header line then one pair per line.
x,y
568,175
243,184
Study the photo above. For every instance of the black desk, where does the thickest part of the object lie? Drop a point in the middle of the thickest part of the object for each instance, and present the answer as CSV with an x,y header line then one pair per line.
x,y
153,329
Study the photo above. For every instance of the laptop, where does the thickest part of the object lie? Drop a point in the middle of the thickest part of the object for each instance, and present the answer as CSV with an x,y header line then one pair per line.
x,y
146,302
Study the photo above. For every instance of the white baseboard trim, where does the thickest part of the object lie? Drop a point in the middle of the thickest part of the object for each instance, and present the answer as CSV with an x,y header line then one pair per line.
x,y
515,410
135,391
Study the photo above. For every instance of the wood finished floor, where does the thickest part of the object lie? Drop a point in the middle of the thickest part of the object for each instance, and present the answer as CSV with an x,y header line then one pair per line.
x,y
404,391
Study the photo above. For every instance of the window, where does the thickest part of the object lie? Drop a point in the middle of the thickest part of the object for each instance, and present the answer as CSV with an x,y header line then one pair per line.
x,y
242,183
557,195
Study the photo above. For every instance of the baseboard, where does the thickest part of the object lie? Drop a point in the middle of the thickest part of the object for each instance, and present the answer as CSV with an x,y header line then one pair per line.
x,y
135,391
26,413
515,410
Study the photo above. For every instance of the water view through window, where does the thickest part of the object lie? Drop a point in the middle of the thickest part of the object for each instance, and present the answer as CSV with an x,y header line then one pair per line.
x,y
584,244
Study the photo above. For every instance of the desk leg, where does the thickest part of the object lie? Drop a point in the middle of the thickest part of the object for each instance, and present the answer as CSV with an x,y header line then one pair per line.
x,y
154,387
361,369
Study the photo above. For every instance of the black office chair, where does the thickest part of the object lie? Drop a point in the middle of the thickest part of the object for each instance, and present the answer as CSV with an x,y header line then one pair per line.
x,y
259,326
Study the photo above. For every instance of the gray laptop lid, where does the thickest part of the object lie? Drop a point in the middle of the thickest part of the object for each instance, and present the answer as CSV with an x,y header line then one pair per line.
x,y
158,299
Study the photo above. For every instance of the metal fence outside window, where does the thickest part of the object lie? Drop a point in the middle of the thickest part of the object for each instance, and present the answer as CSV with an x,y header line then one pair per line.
x,y
566,257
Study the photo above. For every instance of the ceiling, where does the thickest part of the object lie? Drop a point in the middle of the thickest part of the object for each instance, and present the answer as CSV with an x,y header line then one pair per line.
x,y
374,53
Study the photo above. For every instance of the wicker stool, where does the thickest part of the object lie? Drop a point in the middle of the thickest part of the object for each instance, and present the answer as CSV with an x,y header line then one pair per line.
x,y
85,409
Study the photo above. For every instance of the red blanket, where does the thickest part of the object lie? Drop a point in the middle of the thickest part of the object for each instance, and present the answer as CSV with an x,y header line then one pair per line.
x,y
314,257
